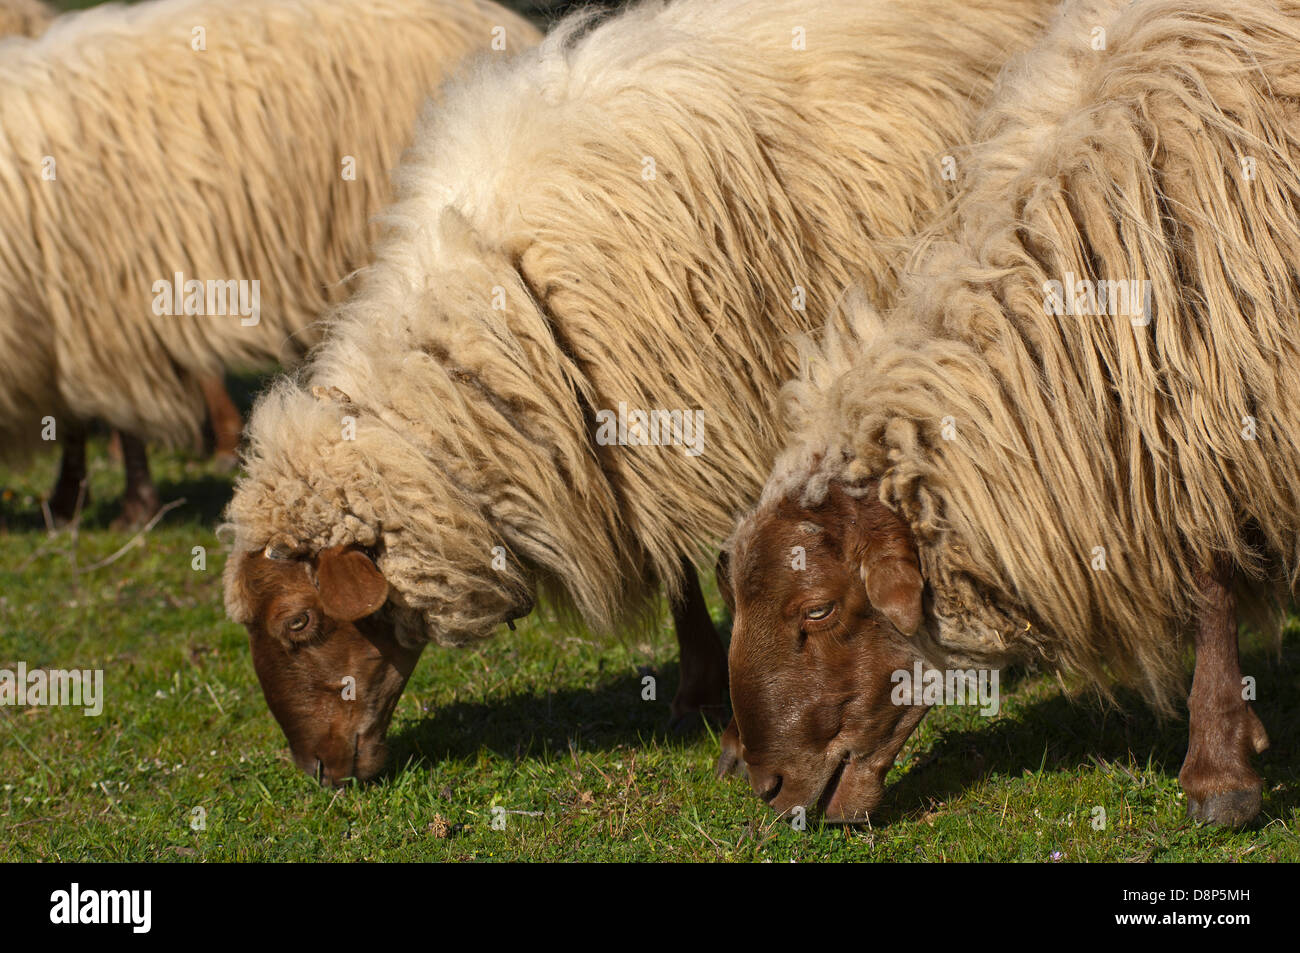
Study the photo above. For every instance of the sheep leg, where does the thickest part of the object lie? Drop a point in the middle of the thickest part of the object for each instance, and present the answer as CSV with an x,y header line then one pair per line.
x,y
227,424
702,691
72,474
1221,786
140,501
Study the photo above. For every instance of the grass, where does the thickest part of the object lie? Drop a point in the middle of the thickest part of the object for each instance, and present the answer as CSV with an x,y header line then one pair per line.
x,y
549,727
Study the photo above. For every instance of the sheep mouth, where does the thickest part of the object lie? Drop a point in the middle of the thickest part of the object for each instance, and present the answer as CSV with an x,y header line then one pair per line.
x,y
857,785
832,785
852,792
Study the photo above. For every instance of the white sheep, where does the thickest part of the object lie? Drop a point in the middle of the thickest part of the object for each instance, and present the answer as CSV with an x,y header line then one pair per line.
x,y
186,183
633,220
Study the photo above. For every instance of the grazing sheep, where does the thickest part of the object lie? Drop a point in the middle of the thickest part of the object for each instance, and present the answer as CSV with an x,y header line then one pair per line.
x,y
635,218
24,17
31,18
1075,439
186,183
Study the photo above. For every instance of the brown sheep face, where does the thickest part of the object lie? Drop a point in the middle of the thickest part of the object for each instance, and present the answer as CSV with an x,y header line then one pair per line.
x,y
824,601
331,670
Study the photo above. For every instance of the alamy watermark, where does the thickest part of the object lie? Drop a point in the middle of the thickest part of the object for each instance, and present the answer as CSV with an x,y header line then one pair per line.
x,y
947,687
132,908
1082,296
217,297
651,428
38,687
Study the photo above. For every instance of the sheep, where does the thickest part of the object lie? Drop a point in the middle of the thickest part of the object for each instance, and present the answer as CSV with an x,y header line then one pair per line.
x,y
600,249
185,185
30,18
1073,441
24,17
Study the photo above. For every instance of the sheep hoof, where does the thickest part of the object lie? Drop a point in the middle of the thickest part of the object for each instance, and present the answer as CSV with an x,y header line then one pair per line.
x,y
63,504
136,512
686,724
1227,808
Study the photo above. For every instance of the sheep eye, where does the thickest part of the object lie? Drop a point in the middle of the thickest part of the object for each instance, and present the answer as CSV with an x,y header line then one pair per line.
x,y
819,612
299,622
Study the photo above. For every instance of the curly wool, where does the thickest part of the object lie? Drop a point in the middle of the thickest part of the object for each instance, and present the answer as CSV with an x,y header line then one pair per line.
x,y
128,155
1018,440
631,214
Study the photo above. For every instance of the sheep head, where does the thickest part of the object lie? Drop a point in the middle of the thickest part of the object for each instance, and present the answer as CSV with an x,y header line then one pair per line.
x,y
328,660
826,600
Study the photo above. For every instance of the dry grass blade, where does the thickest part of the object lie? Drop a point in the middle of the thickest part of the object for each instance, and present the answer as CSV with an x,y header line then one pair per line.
x,y
135,540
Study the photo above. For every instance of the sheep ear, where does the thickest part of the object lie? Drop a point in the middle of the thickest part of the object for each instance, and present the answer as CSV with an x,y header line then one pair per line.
x,y
891,573
281,547
239,601
894,588
351,585
722,574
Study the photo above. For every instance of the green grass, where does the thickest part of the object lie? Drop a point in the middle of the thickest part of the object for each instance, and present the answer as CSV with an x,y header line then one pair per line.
x,y
547,724
538,722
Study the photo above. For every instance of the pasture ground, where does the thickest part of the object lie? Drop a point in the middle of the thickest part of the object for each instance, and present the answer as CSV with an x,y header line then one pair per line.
x,y
546,723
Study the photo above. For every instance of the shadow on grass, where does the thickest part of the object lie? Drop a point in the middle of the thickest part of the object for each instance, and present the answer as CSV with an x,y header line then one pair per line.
x,y
205,499
1056,733
205,496
176,474
1064,736
524,725
611,714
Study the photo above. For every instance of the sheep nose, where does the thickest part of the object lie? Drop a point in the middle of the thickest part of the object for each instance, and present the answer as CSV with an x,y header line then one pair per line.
x,y
766,783
329,773
332,776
